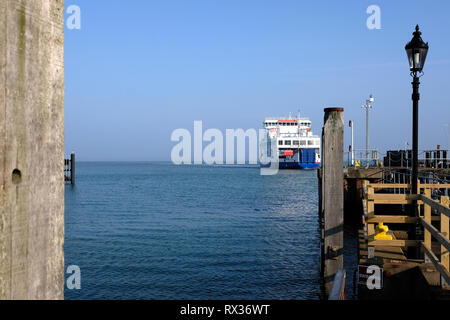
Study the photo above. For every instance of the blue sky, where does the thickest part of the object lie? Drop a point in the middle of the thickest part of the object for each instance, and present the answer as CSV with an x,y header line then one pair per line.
x,y
137,70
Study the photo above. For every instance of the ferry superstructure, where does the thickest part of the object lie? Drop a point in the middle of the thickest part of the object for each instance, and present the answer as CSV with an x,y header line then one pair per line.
x,y
297,147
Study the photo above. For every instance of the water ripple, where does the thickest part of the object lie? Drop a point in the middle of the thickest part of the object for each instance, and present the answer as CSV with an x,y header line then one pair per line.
x,y
158,231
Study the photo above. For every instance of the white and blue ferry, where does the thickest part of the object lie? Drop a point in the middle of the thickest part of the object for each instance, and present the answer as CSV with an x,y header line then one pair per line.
x,y
297,147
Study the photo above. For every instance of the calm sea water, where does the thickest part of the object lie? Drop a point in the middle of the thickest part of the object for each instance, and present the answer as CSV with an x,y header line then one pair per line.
x,y
159,231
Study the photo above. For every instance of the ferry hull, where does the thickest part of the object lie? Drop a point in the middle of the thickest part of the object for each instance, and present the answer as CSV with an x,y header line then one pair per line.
x,y
296,165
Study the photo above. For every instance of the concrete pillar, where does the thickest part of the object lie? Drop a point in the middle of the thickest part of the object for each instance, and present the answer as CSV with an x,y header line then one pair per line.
x,y
332,194
31,149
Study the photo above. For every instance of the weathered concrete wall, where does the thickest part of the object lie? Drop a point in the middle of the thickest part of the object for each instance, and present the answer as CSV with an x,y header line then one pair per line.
x,y
31,149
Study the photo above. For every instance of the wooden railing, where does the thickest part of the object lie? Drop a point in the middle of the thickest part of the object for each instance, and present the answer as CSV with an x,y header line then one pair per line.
x,y
442,236
425,218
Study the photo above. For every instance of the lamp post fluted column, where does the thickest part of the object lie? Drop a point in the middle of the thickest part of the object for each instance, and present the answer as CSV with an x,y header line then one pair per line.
x,y
417,51
415,136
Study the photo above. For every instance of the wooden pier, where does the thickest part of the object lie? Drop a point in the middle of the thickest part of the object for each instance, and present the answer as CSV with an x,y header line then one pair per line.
x,y
410,252
431,266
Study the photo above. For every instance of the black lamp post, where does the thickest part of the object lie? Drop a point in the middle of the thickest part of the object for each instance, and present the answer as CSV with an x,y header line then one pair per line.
x,y
417,51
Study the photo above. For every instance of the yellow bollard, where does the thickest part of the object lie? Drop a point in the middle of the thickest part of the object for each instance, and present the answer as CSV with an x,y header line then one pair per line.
x,y
380,232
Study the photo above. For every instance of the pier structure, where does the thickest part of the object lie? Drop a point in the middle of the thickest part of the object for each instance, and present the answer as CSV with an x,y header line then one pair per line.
x,y
387,204
69,169
411,253
31,149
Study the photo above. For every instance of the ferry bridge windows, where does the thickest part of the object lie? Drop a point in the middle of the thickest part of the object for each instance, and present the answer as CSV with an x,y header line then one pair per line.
x,y
295,142
287,142
310,142
270,124
280,142
303,142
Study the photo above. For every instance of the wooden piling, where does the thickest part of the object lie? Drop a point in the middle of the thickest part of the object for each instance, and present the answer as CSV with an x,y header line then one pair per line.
x,y
32,149
72,168
332,194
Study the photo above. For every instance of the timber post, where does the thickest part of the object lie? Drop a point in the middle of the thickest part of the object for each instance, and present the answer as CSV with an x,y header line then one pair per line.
x,y
332,194
72,168
31,149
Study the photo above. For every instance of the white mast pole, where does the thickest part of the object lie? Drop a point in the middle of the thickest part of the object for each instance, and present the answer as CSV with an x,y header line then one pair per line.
x,y
351,146
367,107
